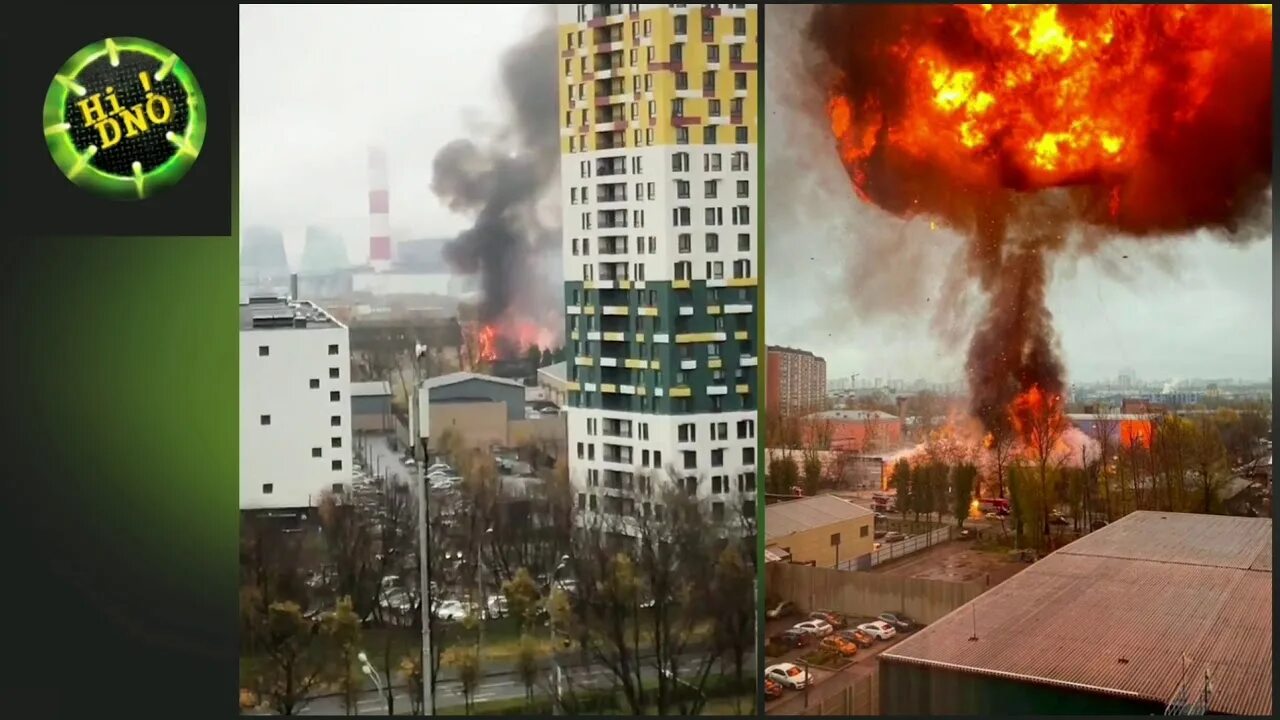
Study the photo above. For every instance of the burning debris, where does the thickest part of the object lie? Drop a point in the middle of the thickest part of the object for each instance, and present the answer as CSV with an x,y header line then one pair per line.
x,y
1025,127
503,183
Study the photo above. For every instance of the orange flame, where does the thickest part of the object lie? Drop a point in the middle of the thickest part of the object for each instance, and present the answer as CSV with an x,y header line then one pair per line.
x,y
1039,420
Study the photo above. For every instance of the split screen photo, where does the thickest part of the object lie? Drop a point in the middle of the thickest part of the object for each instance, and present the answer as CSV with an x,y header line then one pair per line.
x,y
732,359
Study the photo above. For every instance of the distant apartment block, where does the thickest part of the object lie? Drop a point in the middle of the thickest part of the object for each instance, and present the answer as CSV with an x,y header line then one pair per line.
x,y
797,381
295,405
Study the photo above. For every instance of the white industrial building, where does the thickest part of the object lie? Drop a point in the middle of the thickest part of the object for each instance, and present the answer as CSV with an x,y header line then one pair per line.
x,y
295,405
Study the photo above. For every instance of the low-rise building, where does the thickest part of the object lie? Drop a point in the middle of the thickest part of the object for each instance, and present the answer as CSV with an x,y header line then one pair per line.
x,y
483,412
371,407
824,531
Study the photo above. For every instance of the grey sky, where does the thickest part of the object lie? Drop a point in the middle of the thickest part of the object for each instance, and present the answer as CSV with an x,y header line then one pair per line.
x,y
1191,307
319,84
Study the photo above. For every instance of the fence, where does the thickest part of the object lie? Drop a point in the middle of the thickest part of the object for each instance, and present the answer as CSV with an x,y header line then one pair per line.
x,y
866,594
915,543
850,692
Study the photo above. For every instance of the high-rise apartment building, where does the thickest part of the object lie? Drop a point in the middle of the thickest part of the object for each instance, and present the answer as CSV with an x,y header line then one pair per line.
x,y
659,186
797,382
295,405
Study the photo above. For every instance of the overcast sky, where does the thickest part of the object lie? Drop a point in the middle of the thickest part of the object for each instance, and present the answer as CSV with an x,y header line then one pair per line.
x,y
1191,307
319,84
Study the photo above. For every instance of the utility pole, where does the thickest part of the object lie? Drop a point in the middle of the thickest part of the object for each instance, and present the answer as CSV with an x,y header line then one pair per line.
x,y
424,568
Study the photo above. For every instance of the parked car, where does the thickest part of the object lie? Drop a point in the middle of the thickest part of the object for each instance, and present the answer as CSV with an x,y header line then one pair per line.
x,y
786,608
879,534
1058,519
858,637
894,536
837,644
409,462
900,622
834,619
787,675
452,610
879,630
966,534
772,690
794,638
819,628
439,467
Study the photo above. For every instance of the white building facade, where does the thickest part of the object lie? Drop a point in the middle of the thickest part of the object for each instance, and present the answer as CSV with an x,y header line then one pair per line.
x,y
659,184
295,405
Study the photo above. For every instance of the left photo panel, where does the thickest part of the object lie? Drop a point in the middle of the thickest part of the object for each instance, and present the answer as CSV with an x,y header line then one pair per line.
x,y
499,325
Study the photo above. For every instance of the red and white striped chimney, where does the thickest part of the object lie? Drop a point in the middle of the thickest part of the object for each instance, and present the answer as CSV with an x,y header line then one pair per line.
x,y
379,211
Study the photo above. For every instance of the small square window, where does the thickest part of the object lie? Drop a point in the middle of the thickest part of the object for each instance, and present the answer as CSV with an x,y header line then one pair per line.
x,y
263,351
335,420
333,373
315,452
315,383
334,396
267,488
335,442
265,419
333,349
336,464
862,531
337,488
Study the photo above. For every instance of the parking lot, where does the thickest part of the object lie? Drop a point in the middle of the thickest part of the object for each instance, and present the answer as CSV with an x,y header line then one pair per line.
x,y
823,681
954,561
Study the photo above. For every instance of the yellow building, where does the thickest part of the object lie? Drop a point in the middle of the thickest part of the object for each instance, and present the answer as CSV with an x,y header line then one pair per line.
x,y
824,531
659,187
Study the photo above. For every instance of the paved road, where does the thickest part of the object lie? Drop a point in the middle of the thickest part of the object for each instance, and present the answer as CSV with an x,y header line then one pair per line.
x,y
383,459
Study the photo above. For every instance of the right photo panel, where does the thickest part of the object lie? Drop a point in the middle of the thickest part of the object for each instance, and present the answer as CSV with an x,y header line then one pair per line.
x,y
1018,308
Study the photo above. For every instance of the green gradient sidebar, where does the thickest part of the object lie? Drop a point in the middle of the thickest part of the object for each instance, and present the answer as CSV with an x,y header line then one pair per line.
x,y
125,366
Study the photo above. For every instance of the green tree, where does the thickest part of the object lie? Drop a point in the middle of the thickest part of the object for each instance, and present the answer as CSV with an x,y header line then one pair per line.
x,y
296,658
466,661
343,628
529,657
901,482
963,478
812,473
1208,461
523,598
784,474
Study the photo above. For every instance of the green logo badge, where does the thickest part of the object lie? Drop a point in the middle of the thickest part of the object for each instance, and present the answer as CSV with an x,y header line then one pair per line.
x,y
124,118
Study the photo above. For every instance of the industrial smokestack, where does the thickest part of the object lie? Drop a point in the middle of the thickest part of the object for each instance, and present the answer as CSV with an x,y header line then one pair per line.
x,y
379,210
902,415
293,287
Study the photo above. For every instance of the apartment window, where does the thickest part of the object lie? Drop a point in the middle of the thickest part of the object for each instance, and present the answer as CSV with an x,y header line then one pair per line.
x,y
635,53
740,135
714,216
677,108
636,165
648,28
735,52
719,431
268,488
682,136
680,160
709,80
649,53
687,432
582,501
336,465
677,52
638,137
709,134
653,247
835,539
573,191
685,243
264,419
739,26
717,457
684,270
708,25
740,162
335,442
711,162
651,188
315,452
719,484
591,451
741,215
740,81
735,107
682,189
862,531
680,216
653,106
644,458
333,373
263,351
592,504
334,396
689,459
742,268
314,383
713,242
335,420
713,108
575,246
709,189
748,456
333,349
682,81
713,53
657,458
744,188
744,242
682,24
648,82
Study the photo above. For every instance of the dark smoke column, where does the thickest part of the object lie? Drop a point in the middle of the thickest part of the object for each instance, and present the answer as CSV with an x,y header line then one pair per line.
x,y
501,182
1023,126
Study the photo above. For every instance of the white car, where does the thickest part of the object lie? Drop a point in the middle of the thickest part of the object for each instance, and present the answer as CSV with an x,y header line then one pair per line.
x,y
820,628
439,468
879,629
452,610
787,675
409,462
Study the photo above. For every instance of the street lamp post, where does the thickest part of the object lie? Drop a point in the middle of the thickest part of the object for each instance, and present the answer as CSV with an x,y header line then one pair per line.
x,y
424,573
368,669
484,600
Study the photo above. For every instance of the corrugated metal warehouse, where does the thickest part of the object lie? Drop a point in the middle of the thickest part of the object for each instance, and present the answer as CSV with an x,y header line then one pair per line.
x,y
1102,627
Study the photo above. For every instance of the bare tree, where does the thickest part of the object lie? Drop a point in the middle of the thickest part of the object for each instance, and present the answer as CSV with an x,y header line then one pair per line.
x,y
1038,418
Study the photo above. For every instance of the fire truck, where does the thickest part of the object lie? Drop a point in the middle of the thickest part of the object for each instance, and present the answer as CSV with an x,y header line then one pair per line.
x,y
999,506
884,502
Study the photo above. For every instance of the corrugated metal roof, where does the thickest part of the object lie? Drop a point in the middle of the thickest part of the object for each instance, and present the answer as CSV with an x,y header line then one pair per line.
x,y
1115,612
793,516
